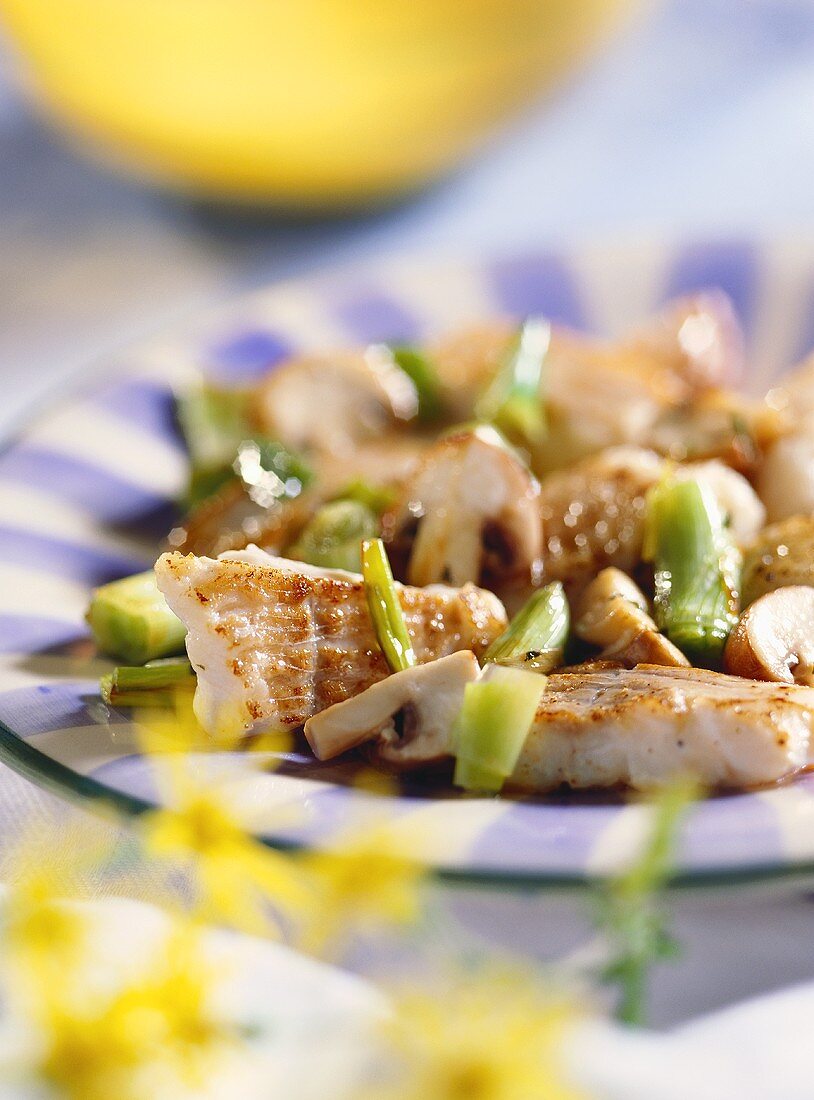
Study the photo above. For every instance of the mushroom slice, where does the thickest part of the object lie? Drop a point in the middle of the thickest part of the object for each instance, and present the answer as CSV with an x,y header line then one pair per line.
x,y
774,638
785,479
331,403
470,515
274,641
697,338
782,555
411,713
593,515
612,614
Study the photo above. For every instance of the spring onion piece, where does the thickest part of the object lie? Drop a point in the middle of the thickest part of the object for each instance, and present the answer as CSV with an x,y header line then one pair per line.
x,y
424,377
497,713
129,618
377,498
333,537
696,597
152,685
385,609
535,639
223,444
513,401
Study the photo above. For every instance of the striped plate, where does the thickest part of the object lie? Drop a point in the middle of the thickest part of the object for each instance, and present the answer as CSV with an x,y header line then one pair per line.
x,y
87,491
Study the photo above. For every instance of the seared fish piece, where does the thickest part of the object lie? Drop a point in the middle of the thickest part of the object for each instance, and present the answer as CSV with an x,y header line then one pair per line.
x,y
593,515
274,641
640,727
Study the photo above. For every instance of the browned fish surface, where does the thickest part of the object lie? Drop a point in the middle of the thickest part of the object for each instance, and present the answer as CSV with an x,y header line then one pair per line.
x,y
274,641
593,515
641,727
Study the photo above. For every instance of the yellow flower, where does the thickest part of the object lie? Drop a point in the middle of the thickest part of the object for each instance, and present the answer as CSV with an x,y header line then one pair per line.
x,y
157,1030
236,878
44,939
362,884
489,1036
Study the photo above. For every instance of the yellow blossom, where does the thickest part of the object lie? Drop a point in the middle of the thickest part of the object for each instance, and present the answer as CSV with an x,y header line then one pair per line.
x,y
489,1036
236,878
362,884
158,1029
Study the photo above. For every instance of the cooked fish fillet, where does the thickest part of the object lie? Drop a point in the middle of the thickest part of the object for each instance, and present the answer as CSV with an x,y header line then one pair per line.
x,y
593,514
640,727
275,641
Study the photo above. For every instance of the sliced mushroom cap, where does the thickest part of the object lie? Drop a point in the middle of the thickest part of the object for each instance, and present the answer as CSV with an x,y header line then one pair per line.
x,y
785,480
782,555
469,514
697,338
718,424
612,614
331,403
774,638
410,714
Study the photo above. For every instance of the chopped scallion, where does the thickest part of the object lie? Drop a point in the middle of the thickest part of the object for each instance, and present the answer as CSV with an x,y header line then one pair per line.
x,y
696,598
129,618
385,608
513,402
333,537
493,724
150,685
535,639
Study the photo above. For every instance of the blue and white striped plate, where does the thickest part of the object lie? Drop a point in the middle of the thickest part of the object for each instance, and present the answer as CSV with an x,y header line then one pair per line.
x,y
87,491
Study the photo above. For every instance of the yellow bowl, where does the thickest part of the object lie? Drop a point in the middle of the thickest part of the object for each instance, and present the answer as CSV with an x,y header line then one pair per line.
x,y
297,102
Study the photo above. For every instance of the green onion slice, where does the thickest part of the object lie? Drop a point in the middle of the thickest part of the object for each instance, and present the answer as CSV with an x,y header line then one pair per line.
x,y
695,566
130,619
333,537
535,639
150,685
497,713
385,609
513,401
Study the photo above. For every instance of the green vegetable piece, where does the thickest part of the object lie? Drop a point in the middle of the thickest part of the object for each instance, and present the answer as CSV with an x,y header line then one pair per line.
x,y
377,498
129,618
150,685
333,537
513,401
385,608
223,444
696,596
425,379
492,727
535,639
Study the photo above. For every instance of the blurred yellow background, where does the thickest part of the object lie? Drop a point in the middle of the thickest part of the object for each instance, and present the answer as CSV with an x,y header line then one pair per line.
x,y
298,103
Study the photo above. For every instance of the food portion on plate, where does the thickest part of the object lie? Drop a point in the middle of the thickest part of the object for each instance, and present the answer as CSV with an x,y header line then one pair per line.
x,y
518,556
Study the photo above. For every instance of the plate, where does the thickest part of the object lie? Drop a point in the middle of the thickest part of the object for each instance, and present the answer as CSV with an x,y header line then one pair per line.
x,y
86,492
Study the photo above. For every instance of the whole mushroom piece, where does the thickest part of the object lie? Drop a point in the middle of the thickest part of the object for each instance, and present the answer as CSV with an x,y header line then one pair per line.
x,y
774,638
332,403
612,613
470,514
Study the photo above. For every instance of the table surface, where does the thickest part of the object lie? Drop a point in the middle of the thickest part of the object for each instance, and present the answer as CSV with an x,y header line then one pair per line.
x,y
696,123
